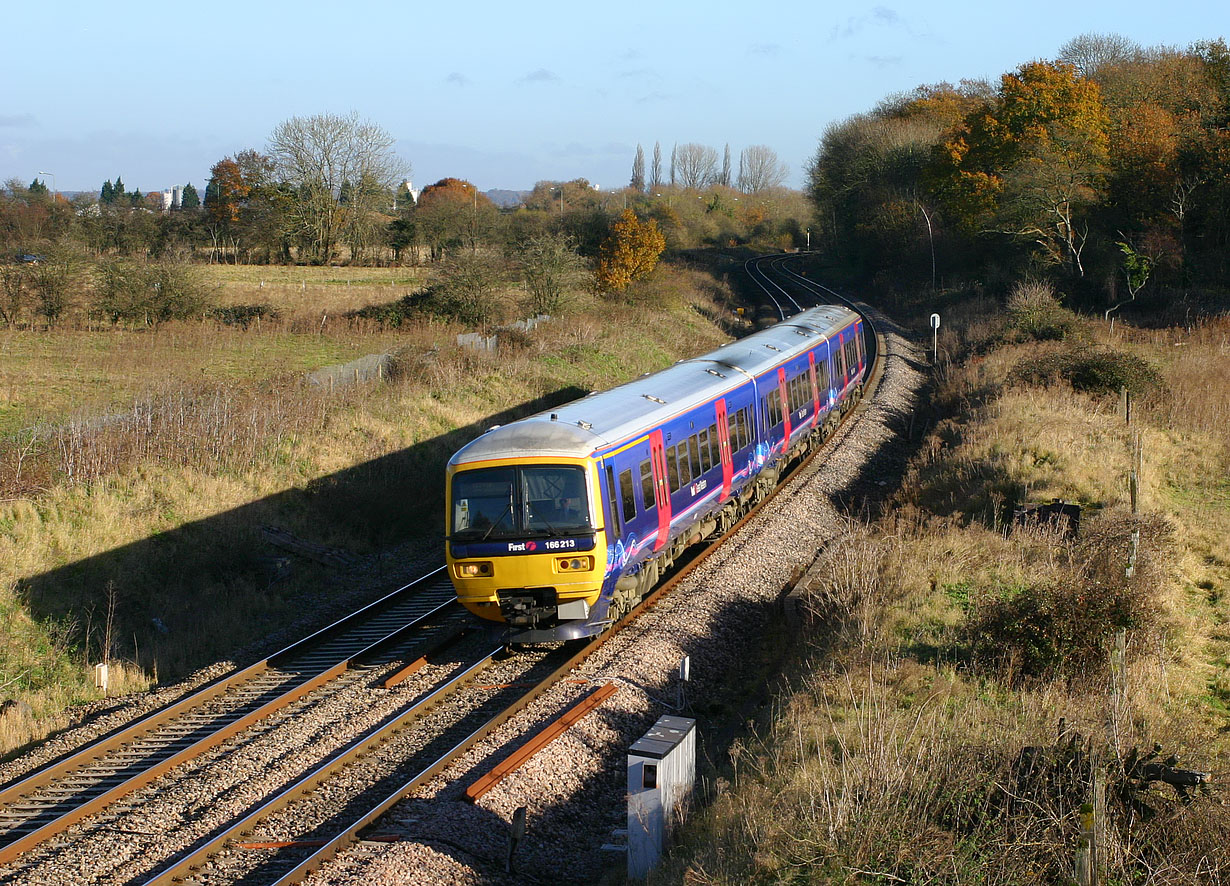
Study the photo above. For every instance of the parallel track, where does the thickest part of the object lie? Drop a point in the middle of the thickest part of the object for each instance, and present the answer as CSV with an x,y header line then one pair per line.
x,y
42,804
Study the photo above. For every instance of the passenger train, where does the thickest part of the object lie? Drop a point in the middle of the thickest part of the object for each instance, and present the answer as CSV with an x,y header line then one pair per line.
x,y
558,524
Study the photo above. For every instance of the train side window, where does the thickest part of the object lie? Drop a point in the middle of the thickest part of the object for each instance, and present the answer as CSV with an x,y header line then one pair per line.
x,y
715,451
647,497
611,500
822,371
741,435
702,450
625,493
685,466
775,408
672,469
694,447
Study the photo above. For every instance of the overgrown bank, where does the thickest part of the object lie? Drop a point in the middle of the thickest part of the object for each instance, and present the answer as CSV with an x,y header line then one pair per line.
x,y
964,683
152,552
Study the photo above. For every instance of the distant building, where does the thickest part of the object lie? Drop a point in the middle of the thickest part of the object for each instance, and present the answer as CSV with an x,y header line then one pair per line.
x,y
177,196
408,185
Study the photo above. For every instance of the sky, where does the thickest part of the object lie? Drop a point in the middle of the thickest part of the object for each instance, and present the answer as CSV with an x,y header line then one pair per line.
x,y
503,94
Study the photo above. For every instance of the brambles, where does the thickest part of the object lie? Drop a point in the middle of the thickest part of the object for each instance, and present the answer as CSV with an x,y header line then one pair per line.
x,y
1062,624
1093,370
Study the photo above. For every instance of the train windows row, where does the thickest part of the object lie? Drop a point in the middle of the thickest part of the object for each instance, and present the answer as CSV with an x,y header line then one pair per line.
x,y
692,458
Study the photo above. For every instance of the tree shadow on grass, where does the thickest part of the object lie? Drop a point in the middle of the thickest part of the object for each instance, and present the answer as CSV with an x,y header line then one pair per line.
x,y
213,587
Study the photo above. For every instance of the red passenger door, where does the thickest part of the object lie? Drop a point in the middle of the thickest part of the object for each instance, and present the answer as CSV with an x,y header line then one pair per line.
x,y
784,393
728,465
661,491
815,388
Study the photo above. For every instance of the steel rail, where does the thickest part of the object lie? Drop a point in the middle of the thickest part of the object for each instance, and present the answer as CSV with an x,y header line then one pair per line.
x,y
96,753
356,750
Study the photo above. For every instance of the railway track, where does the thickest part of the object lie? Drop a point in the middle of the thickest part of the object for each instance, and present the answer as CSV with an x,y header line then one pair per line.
x,y
43,804
292,832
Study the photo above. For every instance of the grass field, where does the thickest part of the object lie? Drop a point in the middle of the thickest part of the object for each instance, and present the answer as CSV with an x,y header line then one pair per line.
x,y
46,376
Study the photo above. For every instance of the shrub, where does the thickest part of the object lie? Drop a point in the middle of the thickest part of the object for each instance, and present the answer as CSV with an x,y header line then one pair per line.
x,y
395,313
1034,313
1093,370
1062,625
150,293
466,290
243,315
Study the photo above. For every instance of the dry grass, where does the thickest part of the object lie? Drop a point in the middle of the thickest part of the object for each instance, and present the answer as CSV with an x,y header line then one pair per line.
x,y
895,757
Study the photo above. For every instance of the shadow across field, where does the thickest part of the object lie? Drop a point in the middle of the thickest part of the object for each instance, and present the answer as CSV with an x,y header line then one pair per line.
x,y
204,591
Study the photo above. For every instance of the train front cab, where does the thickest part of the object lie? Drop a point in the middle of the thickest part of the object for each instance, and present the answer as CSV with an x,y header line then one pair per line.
x,y
526,544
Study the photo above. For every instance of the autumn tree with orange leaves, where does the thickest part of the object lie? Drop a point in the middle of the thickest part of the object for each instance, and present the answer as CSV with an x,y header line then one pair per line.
x,y
451,214
630,252
1031,162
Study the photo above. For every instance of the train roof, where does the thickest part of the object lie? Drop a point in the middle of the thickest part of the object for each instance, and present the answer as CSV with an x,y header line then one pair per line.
x,y
577,429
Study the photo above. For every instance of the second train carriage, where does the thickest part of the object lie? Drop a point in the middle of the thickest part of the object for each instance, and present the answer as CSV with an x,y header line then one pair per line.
x,y
560,522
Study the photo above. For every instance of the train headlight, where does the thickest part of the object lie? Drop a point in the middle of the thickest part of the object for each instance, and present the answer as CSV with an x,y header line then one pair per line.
x,y
473,570
574,564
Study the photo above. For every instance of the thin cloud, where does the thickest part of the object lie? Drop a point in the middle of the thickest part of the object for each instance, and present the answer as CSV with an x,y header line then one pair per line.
x,y
457,79
880,17
884,61
15,121
542,75
766,49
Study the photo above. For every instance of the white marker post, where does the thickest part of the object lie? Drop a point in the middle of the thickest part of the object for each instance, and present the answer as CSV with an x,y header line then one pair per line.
x,y
935,338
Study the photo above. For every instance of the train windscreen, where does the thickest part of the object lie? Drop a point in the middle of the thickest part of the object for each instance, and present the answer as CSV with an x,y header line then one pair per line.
x,y
520,502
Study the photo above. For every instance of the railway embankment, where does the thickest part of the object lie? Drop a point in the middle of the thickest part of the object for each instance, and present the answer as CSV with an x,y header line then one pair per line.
x,y
970,673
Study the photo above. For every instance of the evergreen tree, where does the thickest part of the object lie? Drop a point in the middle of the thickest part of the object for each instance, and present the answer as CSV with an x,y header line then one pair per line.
x,y
674,152
135,197
655,171
118,194
38,189
190,198
725,178
638,170
107,195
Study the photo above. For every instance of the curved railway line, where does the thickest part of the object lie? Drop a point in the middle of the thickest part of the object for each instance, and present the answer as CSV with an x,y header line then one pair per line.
x,y
285,834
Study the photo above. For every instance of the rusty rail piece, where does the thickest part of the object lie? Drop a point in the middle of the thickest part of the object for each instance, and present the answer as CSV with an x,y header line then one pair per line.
x,y
182,730
552,731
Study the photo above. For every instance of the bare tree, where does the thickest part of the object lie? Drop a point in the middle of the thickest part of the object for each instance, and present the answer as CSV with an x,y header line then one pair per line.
x,y
724,178
674,152
1090,53
760,169
319,157
655,171
696,165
